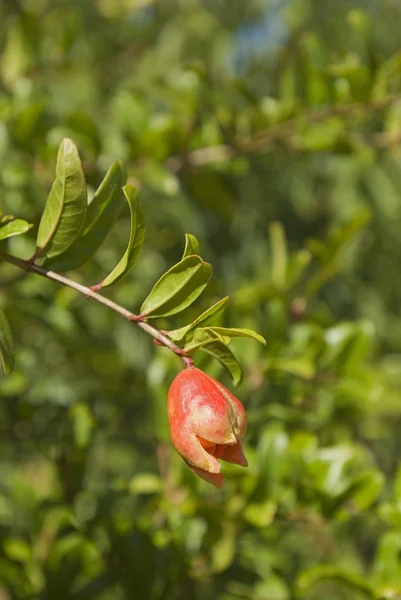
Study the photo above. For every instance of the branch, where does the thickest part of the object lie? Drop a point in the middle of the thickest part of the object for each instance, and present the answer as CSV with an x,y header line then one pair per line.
x,y
266,138
159,338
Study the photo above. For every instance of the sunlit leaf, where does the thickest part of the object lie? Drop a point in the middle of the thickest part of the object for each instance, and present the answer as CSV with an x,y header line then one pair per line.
x,y
300,367
202,336
279,255
83,423
222,553
178,287
65,209
345,578
224,355
236,332
210,315
16,227
137,234
6,344
191,245
101,215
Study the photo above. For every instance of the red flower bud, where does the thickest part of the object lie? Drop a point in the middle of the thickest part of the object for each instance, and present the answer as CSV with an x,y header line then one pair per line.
x,y
206,423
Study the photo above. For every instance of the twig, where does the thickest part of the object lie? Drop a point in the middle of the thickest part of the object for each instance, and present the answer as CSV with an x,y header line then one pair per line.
x,y
266,138
160,338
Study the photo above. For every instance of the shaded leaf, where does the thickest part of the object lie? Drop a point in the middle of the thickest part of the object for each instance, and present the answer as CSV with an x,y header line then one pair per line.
x,y
6,344
136,238
210,315
178,287
101,214
191,245
65,209
213,191
224,355
16,227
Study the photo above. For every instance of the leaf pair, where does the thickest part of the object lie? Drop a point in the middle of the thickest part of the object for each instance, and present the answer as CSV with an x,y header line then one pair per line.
x,y
215,341
176,290
71,230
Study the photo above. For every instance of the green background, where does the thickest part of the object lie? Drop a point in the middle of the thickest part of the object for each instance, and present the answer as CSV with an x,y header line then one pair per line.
x,y
271,131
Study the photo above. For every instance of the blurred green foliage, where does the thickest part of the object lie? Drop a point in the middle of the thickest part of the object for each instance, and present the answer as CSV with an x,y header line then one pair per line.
x,y
271,131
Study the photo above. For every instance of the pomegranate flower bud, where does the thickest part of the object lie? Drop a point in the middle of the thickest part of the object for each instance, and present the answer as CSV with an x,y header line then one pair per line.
x,y
206,423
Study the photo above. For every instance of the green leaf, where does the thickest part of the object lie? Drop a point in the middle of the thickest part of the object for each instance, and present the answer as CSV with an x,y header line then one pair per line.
x,y
6,344
17,550
83,423
210,315
202,336
300,367
222,553
279,255
16,227
101,214
191,245
7,218
348,579
135,241
178,288
219,336
65,209
236,332
224,355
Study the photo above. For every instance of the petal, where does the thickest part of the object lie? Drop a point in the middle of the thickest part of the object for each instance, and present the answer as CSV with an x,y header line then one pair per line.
x,y
216,479
189,447
233,454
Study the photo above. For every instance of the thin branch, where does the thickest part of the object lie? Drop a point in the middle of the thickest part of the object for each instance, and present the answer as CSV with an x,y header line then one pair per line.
x,y
159,337
266,138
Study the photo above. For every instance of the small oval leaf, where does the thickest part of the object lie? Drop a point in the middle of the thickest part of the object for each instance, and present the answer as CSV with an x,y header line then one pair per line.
x,y
16,227
65,208
135,242
178,287
191,245
224,355
6,344
101,214
210,315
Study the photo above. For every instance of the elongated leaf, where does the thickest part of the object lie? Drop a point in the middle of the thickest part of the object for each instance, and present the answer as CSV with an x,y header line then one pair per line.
x,y
222,338
210,315
235,332
300,367
191,245
135,241
6,344
279,254
101,214
16,227
202,336
178,288
224,355
65,209
347,578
